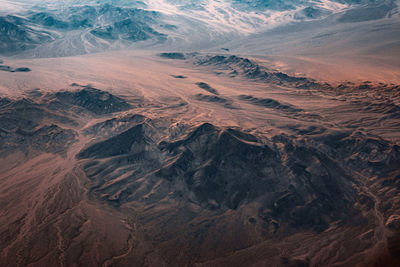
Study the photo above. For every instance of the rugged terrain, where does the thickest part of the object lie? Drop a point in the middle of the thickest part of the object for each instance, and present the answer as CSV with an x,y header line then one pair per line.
x,y
225,162
199,133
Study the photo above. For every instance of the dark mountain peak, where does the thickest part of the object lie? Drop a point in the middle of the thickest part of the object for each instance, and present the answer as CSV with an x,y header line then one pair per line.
x,y
131,141
173,55
48,20
225,60
94,100
205,128
115,125
213,163
252,70
17,35
23,103
242,135
205,133
24,127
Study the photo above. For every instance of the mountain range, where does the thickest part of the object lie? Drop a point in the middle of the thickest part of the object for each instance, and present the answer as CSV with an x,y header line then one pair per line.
x,y
199,133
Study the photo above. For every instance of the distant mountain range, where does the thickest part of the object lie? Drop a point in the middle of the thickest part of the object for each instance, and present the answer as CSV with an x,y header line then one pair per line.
x,y
80,27
93,24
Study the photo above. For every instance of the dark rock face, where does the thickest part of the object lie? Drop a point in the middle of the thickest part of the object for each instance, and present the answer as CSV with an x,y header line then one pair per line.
x,y
23,69
13,37
368,155
320,174
128,23
229,168
93,100
214,164
33,127
180,56
10,69
52,138
17,35
216,99
127,29
251,70
134,139
311,12
26,114
233,66
22,128
300,187
269,103
114,126
48,20
207,87
304,182
179,76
